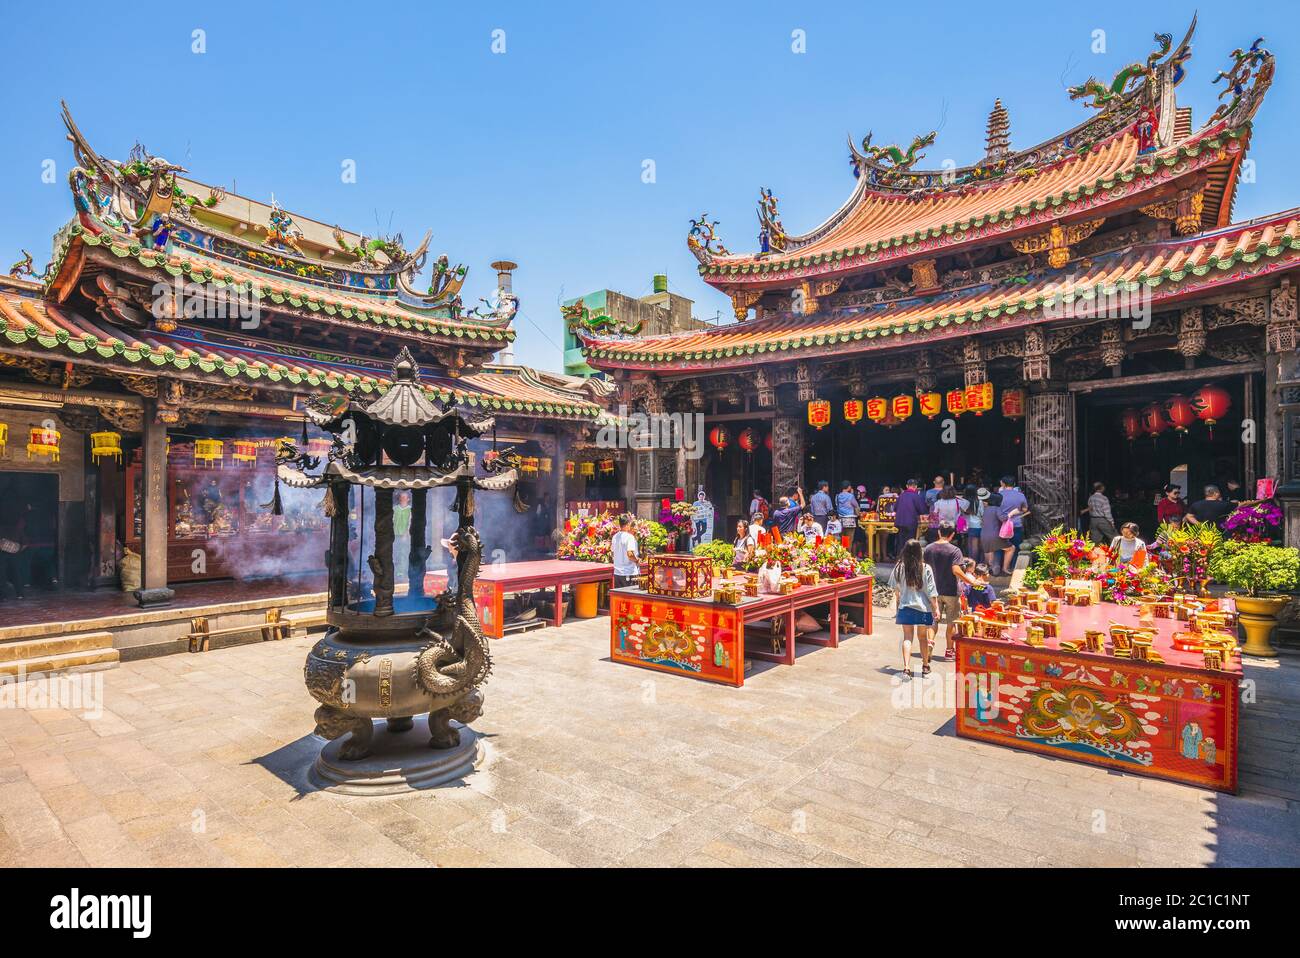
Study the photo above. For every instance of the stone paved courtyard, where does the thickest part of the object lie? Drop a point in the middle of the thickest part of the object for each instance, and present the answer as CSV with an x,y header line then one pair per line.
x,y
201,760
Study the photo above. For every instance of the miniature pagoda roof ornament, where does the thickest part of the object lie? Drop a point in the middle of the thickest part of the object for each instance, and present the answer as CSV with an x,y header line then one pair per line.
x,y
998,138
404,404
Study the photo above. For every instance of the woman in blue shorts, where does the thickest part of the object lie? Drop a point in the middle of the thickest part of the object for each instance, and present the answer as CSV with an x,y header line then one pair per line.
x,y
917,601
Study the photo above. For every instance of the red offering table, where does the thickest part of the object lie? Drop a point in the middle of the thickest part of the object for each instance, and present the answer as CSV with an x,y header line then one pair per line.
x,y
703,639
1175,720
494,581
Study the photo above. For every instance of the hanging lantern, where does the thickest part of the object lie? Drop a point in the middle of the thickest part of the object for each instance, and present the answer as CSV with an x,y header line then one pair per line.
x,y
607,467
957,401
4,437
243,450
528,465
1013,403
853,409
1211,403
931,404
718,438
587,470
209,451
1178,409
42,441
1130,421
545,464
569,469
900,407
747,440
105,444
890,420
819,413
979,398
1153,420
767,442
877,408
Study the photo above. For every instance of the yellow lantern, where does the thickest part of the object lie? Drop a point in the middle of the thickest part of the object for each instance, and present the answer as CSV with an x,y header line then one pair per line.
x,y
957,401
587,470
568,470
931,404
244,451
819,413
105,444
606,467
545,463
209,451
901,407
877,408
853,411
528,465
979,398
44,442
4,437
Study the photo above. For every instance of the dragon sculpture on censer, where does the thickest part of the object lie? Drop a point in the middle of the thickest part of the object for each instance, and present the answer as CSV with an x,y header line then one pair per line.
x,y
387,657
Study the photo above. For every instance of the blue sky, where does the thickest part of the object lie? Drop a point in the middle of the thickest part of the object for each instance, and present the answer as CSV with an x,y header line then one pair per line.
x,y
536,154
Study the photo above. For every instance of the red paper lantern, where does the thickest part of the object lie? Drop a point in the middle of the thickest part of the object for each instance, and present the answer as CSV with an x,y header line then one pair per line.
x,y
1153,420
747,440
718,437
1131,422
1013,403
767,442
853,411
1211,403
1180,413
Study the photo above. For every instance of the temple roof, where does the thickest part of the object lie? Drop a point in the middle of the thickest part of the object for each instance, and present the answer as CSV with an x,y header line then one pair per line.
x,y
1136,150
33,325
1170,270
154,220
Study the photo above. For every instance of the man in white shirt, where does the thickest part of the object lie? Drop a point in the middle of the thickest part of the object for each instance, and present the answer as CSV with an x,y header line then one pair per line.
x,y
626,554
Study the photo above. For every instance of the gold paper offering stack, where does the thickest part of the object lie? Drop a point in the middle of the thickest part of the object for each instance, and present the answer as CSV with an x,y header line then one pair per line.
x,y
728,593
965,626
1121,641
1094,640
1034,636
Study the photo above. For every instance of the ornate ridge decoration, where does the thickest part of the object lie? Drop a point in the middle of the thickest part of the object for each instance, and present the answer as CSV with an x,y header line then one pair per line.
x,y
582,322
771,234
1136,76
1252,66
702,237
1056,242
885,164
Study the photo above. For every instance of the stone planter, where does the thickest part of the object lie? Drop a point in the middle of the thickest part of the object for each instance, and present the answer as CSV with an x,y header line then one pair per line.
x,y
1258,616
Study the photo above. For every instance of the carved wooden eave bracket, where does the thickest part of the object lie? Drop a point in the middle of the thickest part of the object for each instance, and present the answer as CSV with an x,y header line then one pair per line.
x,y
1057,240
1184,210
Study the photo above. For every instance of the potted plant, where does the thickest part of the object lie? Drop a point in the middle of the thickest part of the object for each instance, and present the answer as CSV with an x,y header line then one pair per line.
x,y
1259,576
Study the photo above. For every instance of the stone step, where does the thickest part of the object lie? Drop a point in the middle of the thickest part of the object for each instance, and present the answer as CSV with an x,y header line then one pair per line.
x,y
72,661
54,645
86,650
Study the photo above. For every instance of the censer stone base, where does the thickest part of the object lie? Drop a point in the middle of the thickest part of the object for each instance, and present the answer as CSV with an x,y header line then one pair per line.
x,y
398,762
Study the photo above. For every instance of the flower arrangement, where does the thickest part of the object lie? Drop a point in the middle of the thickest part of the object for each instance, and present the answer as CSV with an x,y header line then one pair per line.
x,y
677,516
1185,549
1256,522
588,538
826,554
1065,554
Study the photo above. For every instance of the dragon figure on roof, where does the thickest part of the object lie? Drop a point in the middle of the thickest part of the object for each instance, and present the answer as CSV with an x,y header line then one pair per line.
x,y
583,320
1106,97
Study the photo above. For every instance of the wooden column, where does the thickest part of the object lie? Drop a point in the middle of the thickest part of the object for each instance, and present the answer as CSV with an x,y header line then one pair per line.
x,y
154,588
